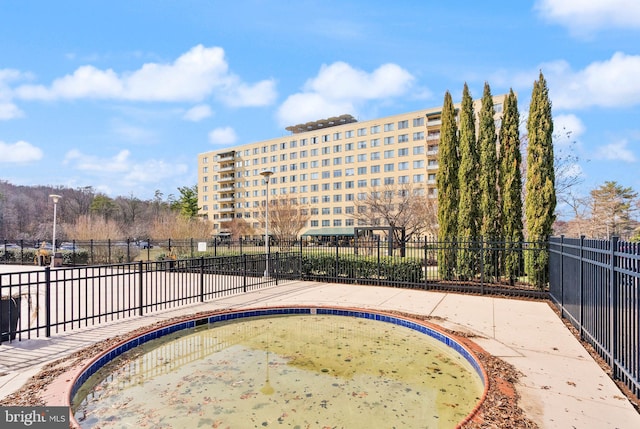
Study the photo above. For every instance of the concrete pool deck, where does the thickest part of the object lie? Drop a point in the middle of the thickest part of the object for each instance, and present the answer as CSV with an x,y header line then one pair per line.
x,y
561,386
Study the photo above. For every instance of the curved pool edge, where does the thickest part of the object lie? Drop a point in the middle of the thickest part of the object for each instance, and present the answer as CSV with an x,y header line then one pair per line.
x,y
80,374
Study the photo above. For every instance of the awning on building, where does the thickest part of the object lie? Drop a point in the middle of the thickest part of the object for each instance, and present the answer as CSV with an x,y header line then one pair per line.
x,y
324,232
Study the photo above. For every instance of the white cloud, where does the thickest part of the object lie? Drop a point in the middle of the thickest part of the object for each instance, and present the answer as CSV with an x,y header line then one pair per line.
x,y
120,171
339,88
610,83
567,129
341,81
617,151
9,111
134,134
19,152
305,107
193,76
223,136
582,16
198,113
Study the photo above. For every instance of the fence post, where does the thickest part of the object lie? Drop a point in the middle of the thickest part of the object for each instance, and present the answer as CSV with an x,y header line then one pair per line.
x,y
47,300
191,246
561,275
140,290
300,261
240,240
581,283
613,298
244,273
201,278
378,276
481,253
337,267
426,263
277,266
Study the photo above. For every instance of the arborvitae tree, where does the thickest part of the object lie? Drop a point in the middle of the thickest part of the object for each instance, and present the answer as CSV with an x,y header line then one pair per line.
x,y
540,198
447,180
510,181
490,227
469,200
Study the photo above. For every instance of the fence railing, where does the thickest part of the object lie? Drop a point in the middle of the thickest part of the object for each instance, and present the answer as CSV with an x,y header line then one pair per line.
x,y
595,285
41,302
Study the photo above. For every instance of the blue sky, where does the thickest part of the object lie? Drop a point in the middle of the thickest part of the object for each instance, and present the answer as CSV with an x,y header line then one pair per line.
x,y
123,95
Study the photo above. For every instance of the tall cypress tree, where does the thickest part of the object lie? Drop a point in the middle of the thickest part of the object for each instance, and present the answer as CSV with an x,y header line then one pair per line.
x,y
540,199
490,227
510,180
469,202
447,180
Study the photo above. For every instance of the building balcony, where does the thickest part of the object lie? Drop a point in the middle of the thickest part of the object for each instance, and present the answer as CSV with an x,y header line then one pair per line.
x,y
227,188
226,158
226,168
226,179
225,219
432,167
434,122
431,137
227,210
432,152
226,200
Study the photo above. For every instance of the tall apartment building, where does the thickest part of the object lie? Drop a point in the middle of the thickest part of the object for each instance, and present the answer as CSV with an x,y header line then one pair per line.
x,y
326,165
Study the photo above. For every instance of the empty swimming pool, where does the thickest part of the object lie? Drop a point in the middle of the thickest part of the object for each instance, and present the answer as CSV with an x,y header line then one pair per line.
x,y
293,367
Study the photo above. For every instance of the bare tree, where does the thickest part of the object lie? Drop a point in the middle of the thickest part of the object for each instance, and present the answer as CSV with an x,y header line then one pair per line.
x,y
239,228
286,218
401,206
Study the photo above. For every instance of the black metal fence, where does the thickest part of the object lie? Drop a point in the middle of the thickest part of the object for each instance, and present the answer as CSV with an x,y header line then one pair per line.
x,y
595,284
41,302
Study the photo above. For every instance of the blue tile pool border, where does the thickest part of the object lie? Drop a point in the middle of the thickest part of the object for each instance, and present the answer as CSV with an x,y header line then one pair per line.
x,y
127,345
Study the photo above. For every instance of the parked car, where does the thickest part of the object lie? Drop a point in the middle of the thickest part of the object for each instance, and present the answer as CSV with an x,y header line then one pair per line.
x,y
143,244
69,246
9,246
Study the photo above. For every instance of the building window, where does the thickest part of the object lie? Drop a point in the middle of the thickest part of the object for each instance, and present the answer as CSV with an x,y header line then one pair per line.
x,y
348,146
362,170
349,159
388,180
418,122
326,150
337,161
314,223
326,223
362,132
388,168
388,140
337,136
362,157
337,222
362,183
418,150
403,124
388,154
418,136
403,151
403,179
326,138
388,127
348,222
403,138
337,186
403,166
375,129
418,164
326,162
349,172
362,144
348,184
337,148
348,197
375,169
418,178
375,156
337,210
337,198
375,142
375,182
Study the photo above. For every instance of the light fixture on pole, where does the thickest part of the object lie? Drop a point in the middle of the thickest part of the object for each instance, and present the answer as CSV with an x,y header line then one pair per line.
x,y
55,199
266,174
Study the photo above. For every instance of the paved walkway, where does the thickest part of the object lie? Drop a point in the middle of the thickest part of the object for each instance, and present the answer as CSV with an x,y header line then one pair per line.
x,y
563,386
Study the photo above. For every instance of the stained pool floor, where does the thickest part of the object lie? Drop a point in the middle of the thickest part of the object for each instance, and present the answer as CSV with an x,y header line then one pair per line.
x,y
287,372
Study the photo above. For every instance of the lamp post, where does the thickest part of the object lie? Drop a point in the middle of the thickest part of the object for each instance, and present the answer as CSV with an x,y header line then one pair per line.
x,y
55,199
266,174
